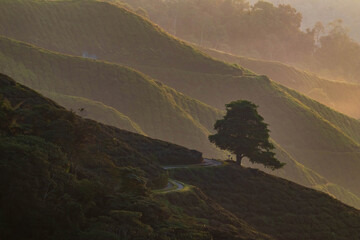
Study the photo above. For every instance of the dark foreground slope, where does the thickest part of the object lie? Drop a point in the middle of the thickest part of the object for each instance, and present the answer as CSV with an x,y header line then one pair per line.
x,y
342,96
275,206
323,140
92,183
64,177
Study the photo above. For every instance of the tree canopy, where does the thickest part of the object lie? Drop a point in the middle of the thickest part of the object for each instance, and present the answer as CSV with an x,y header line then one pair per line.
x,y
243,132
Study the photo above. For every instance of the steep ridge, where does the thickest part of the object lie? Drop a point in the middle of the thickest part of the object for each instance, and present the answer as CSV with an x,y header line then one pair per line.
x,y
341,96
144,101
93,182
295,126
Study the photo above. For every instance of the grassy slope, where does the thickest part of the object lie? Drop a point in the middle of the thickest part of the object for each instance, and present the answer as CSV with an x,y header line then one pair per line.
x,y
21,68
278,207
145,47
37,114
275,206
93,178
95,111
298,173
342,96
98,37
204,115
144,101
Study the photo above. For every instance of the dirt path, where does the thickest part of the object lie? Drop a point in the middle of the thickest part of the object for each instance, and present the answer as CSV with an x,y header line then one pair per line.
x,y
174,185
206,163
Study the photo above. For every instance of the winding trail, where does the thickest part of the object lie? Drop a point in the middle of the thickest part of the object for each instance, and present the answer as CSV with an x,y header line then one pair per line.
x,y
174,185
205,163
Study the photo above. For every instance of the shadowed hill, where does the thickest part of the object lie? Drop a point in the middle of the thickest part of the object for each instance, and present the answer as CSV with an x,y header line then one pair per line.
x,y
342,96
90,183
300,174
275,206
78,26
65,177
37,112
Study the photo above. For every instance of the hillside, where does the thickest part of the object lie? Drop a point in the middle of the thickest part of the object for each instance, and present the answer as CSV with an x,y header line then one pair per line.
x,y
94,181
95,111
318,141
147,103
275,206
53,30
206,116
341,96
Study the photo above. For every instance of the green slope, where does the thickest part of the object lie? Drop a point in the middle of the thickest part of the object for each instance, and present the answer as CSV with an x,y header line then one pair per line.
x,y
341,96
86,183
120,36
98,37
65,177
98,111
144,101
95,111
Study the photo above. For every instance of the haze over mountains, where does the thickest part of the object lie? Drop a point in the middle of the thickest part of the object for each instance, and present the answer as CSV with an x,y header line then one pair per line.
x,y
341,96
313,134
111,65
326,12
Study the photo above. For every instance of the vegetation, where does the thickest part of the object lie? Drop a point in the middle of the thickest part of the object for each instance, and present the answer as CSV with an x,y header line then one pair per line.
x,y
243,132
314,139
93,183
234,26
313,11
277,207
64,177
122,89
95,110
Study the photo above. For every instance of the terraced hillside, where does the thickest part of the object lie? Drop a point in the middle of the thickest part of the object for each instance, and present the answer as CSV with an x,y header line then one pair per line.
x,y
146,103
17,67
95,110
94,181
320,139
341,96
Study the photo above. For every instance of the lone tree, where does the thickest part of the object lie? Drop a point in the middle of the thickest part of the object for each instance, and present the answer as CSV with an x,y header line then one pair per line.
x,y
243,132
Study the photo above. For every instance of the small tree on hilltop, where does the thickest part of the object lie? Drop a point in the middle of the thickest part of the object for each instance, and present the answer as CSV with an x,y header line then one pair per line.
x,y
243,132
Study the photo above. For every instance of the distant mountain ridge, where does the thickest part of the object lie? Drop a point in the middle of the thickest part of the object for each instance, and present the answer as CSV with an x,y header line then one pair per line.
x,y
341,96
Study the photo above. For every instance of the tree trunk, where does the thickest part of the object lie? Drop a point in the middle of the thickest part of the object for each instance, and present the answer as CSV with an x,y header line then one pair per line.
x,y
239,157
